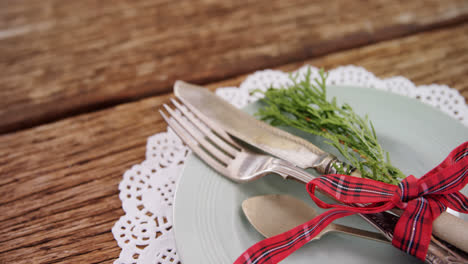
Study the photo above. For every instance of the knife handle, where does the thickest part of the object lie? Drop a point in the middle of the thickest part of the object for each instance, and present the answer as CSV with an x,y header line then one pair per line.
x,y
327,165
438,252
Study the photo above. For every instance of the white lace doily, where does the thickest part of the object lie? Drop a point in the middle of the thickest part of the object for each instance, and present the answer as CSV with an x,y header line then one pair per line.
x,y
145,233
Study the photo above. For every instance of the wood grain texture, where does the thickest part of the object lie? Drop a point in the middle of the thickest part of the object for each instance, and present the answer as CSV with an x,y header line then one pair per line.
x,y
59,182
61,58
439,56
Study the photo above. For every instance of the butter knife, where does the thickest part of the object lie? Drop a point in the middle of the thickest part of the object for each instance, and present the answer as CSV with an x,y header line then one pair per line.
x,y
288,147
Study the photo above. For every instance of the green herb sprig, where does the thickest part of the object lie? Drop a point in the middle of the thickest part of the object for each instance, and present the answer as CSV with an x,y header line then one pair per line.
x,y
304,105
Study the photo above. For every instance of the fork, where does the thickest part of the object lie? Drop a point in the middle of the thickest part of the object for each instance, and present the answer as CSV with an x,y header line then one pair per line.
x,y
236,162
222,153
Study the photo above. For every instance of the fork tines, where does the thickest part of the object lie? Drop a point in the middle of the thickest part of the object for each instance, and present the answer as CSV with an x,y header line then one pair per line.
x,y
211,144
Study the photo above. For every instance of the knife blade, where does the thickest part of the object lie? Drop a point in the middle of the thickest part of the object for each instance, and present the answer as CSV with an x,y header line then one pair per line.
x,y
302,153
257,133
274,214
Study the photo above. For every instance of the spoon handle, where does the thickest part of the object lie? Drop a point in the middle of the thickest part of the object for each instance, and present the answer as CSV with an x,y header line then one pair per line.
x,y
359,233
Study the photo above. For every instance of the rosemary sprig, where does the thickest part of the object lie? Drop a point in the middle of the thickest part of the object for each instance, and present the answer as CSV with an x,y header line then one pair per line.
x,y
304,105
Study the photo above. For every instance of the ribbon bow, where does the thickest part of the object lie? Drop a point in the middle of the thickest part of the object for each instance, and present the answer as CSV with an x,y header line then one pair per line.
x,y
422,200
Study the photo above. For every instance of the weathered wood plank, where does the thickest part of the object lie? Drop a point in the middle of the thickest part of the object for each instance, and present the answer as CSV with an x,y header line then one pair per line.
x,y
440,57
59,182
61,58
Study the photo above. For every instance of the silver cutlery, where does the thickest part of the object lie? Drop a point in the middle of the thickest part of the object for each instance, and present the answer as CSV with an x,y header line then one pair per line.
x,y
286,146
274,214
222,115
225,155
234,161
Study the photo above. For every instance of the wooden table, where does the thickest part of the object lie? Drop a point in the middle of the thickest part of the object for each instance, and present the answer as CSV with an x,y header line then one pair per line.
x,y
80,83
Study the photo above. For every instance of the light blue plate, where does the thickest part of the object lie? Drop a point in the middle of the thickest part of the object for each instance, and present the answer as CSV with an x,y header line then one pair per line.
x,y
210,226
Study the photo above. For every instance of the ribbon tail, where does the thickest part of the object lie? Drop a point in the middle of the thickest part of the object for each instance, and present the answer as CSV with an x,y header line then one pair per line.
x,y
277,248
413,231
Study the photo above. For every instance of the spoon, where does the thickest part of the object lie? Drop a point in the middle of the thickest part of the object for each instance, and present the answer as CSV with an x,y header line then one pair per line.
x,y
274,214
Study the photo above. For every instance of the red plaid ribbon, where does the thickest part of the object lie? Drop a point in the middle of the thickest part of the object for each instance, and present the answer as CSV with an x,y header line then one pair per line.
x,y
422,200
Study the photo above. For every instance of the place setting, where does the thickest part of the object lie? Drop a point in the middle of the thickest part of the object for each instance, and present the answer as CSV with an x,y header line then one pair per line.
x,y
309,166
186,132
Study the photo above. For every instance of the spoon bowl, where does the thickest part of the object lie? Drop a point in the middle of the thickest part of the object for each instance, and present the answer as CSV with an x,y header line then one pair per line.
x,y
274,214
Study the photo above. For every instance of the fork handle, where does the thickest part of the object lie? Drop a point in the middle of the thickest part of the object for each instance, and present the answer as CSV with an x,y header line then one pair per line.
x,y
288,170
439,252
